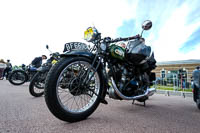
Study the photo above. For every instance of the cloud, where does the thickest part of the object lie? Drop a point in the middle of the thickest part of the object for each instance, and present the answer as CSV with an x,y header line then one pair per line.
x,y
27,26
192,43
175,34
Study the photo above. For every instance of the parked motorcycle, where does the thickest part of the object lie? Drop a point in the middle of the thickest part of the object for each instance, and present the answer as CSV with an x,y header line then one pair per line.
x,y
196,86
20,76
36,86
79,81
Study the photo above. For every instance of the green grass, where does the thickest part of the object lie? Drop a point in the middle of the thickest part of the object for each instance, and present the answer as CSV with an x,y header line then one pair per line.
x,y
171,88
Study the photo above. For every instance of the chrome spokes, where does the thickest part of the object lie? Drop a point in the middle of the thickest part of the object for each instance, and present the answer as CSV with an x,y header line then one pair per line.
x,y
73,94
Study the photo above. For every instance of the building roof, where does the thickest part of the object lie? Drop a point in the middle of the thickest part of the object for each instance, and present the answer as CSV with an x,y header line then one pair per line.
x,y
192,61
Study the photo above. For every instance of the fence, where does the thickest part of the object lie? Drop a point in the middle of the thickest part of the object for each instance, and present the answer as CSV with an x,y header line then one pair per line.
x,y
176,83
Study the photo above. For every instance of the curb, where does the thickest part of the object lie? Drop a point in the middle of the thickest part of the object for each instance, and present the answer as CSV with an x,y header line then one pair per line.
x,y
174,93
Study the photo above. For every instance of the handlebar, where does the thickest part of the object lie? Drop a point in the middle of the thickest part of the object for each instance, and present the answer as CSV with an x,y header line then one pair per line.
x,y
125,39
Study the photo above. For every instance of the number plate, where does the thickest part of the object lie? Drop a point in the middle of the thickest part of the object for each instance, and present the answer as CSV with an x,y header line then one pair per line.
x,y
75,46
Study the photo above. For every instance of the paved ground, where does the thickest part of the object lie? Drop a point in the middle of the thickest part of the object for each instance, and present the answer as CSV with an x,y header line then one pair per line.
x,y
20,112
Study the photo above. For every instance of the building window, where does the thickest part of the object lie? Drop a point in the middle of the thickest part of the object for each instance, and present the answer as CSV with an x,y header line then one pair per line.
x,y
163,74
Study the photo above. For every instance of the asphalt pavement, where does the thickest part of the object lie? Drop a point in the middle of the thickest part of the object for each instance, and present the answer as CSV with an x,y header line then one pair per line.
x,y
22,113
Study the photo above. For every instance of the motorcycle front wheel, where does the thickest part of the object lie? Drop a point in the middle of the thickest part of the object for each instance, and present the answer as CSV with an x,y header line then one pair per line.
x,y
36,86
67,95
18,77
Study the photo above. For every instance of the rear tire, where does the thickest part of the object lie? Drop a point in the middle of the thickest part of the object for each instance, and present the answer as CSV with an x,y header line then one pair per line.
x,y
198,98
198,105
53,100
33,87
22,77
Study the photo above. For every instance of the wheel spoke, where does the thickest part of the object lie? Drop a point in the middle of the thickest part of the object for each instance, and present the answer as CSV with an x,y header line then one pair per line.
x,y
72,104
76,97
67,99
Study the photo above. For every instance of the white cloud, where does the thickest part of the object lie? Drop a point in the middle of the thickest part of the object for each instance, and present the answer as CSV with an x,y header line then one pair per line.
x,y
27,26
174,32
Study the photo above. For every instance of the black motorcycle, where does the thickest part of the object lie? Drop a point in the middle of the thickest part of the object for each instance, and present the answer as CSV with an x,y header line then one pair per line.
x,y
196,97
36,86
20,76
79,81
196,87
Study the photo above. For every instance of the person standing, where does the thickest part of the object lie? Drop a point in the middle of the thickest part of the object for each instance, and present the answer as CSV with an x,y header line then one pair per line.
x,y
8,69
2,68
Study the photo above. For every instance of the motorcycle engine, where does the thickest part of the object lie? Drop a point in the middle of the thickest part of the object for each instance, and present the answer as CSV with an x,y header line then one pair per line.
x,y
127,85
130,88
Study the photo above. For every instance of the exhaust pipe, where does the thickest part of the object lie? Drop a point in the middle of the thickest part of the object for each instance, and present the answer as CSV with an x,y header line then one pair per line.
x,y
149,92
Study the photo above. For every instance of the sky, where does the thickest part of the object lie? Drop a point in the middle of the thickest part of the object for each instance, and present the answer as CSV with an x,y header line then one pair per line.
x,y
27,26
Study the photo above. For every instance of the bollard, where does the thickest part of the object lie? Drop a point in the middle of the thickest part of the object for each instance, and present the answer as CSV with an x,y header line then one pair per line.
x,y
183,94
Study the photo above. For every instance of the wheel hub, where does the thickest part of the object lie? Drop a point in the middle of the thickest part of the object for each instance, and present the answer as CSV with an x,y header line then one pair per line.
x,y
76,87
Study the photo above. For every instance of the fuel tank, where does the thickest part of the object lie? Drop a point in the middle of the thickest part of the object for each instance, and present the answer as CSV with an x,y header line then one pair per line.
x,y
117,52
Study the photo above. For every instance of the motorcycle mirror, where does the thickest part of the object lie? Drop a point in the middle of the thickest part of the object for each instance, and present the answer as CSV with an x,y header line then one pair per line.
x,y
147,24
47,46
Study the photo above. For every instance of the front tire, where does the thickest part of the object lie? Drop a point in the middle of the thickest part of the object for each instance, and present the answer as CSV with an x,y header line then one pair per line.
x,y
36,87
18,77
63,81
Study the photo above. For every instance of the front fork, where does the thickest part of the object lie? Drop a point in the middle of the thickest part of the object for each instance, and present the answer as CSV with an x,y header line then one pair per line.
x,y
103,78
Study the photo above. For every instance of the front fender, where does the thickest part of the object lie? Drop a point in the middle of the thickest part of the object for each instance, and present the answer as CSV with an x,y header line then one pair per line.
x,y
81,53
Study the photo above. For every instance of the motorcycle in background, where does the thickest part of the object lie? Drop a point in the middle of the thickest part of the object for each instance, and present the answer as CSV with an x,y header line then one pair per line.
x,y
80,80
36,86
196,86
20,76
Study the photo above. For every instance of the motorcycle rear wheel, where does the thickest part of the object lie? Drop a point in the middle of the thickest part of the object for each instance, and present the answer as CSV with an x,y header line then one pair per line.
x,y
196,96
18,77
63,81
198,106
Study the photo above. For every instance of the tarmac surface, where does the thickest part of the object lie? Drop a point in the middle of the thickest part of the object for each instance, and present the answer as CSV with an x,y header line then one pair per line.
x,y
22,113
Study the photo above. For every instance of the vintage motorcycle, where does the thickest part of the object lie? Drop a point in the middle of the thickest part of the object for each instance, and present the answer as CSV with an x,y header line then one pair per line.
x,y
20,76
80,80
36,86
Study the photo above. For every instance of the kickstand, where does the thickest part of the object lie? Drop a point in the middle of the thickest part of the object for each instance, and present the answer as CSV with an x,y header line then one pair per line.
x,y
144,104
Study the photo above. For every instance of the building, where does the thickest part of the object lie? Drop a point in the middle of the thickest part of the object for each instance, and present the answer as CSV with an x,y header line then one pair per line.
x,y
180,70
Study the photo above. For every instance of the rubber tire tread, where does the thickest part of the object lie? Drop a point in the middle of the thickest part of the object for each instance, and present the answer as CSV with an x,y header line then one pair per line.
x,y
51,97
198,98
32,84
15,71
198,106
